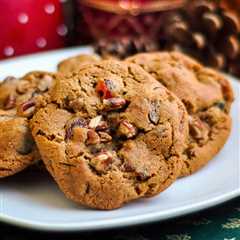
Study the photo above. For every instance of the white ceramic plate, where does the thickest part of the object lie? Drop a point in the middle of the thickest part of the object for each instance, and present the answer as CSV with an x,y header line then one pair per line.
x,y
34,201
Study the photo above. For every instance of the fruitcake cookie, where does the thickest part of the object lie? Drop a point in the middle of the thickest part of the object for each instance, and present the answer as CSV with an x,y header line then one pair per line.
x,y
17,103
74,63
112,134
207,96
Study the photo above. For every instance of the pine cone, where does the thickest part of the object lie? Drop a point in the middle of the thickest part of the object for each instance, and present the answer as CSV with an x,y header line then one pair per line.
x,y
209,31
124,47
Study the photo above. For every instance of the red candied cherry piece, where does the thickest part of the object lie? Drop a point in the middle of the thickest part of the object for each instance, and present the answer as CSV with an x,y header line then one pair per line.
x,y
103,90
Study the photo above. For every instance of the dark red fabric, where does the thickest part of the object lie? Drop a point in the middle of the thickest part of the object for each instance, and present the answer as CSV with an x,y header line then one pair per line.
x,y
28,26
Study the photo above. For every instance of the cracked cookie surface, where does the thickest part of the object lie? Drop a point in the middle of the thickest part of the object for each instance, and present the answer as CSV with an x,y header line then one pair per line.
x,y
111,134
75,63
17,104
207,96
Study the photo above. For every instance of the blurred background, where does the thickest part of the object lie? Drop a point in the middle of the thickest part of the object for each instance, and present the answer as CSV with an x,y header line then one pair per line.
x,y
207,30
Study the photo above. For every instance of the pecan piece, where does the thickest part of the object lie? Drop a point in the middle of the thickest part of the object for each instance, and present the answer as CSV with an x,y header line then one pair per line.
x,y
102,161
92,138
154,113
76,122
114,103
27,109
126,129
105,137
95,121
10,102
104,88
45,83
97,124
102,126
197,129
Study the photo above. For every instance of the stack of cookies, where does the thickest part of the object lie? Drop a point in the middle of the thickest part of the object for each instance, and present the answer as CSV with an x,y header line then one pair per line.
x,y
111,131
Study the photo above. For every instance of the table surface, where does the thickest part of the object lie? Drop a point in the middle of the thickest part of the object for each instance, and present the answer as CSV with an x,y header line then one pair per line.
x,y
219,223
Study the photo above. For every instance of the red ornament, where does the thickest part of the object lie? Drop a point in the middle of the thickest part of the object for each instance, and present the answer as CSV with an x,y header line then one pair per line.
x,y
30,26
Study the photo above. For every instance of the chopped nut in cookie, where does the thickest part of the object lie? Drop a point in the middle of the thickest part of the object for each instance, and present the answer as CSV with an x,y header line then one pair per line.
x,y
105,137
45,83
198,129
10,102
95,121
75,122
154,112
102,161
26,109
126,129
92,137
114,103
102,126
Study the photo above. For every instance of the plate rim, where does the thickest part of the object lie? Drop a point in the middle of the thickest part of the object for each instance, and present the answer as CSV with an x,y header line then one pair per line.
x,y
124,221
87,48
121,221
